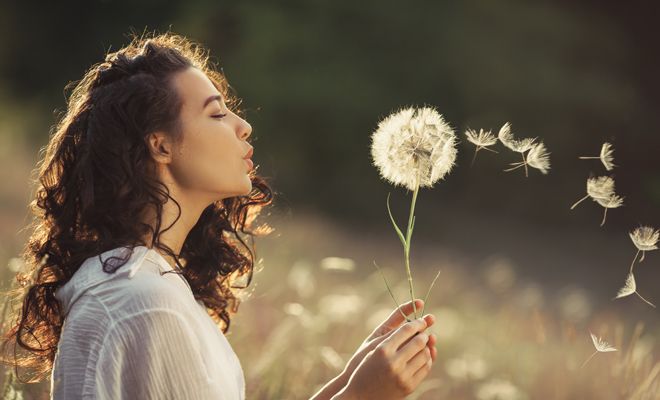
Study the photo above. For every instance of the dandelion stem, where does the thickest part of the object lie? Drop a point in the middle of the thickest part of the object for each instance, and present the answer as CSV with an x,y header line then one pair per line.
x,y
429,292
525,163
645,301
517,165
589,158
475,156
396,303
642,259
407,245
604,217
590,357
579,201
633,262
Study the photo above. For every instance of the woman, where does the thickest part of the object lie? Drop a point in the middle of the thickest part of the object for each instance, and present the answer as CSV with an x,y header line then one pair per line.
x,y
144,192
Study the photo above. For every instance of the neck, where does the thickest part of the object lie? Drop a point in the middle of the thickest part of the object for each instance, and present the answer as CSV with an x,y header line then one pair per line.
x,y
173,234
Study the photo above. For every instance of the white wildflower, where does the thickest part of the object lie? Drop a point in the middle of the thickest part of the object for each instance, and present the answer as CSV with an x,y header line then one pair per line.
x,y
482,140
629,288
337,264
414,147
606,156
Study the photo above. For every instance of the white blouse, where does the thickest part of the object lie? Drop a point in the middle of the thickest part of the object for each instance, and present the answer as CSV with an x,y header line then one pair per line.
x,y
135,334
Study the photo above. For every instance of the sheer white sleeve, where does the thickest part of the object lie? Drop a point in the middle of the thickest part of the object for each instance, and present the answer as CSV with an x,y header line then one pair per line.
x,y
153,354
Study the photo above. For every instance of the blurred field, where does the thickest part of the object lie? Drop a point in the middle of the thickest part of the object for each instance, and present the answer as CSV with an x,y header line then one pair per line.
x,y
504,332
524,279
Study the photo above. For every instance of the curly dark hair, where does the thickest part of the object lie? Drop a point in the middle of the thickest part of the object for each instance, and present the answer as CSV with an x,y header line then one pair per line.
x,y
94,183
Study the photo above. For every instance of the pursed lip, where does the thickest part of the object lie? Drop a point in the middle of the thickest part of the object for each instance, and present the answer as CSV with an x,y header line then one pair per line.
x,y
249,153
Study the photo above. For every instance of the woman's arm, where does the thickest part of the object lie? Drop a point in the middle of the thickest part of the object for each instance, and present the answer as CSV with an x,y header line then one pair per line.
x,y
332,388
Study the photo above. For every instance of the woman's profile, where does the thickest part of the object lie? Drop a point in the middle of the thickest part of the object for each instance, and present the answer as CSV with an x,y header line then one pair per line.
x,y
145,193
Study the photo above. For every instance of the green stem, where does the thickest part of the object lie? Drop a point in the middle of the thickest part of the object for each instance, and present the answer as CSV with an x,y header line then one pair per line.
x,y
429,292
407,245
396,303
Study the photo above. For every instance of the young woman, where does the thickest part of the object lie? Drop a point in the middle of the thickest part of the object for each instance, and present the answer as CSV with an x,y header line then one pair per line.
x,y
144,191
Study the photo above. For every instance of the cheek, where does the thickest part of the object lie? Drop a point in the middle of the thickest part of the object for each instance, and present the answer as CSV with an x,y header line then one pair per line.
x,y
206,161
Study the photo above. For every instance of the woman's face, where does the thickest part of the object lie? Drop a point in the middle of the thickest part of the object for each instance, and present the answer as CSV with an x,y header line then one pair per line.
x,y
209,160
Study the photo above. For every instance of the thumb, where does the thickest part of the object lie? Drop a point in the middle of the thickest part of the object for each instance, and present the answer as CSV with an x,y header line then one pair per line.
x,y
396,318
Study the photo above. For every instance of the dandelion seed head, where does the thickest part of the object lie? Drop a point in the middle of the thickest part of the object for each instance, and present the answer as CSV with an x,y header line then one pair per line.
x,y
645,238
600,187
481,139
628,288
539,158
506,137
606,156
601,345
412,144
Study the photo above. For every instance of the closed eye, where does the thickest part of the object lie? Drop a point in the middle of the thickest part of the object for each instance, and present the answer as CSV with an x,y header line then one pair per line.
x,y
218,116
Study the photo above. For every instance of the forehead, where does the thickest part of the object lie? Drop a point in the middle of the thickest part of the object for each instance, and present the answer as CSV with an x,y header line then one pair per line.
x,y
193,87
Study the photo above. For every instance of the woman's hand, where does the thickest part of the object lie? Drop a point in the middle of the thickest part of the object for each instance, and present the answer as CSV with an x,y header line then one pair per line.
x,y
395,367
384,330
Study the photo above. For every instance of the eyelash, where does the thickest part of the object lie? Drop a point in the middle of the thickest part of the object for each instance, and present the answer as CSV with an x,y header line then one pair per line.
x,y
218,116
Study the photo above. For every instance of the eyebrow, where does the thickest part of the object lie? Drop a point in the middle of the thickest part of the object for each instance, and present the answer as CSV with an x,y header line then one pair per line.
x,y
212,98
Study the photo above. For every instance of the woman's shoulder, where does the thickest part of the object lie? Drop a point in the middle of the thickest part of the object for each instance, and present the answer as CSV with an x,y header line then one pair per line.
x,y
141,282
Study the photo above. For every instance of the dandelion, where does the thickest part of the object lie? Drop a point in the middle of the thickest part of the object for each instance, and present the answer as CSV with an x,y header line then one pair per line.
x,y
601,190
605,157
518,145
629,288
601,347
645,239
482,140
413,148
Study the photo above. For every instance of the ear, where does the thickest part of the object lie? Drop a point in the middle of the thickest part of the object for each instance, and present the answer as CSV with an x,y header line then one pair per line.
x,y
160,147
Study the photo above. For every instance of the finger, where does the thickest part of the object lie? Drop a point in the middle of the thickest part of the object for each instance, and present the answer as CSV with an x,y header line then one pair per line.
x,y
396,319
420,374
431,346
430,319
404,332
422,357
414,346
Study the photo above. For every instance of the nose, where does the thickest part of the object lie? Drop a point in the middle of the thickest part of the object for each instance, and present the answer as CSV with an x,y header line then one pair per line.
x,y
246,129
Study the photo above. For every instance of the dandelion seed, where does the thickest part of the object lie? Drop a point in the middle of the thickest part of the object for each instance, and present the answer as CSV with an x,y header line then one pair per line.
x,y
613,201
601,190
606,156
601,347
539,158
414,147
482,140
518,145
645,239
629,288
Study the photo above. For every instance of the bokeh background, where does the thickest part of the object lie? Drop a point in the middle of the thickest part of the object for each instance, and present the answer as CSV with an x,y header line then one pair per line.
x,y
523,278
